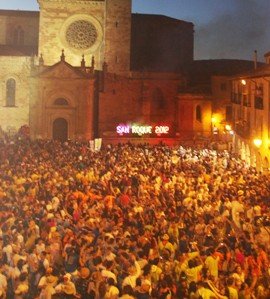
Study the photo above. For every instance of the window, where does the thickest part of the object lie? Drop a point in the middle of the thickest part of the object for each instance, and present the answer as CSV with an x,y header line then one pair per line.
x,y
223,86
259,90
18,36
10,92
199,113
61,102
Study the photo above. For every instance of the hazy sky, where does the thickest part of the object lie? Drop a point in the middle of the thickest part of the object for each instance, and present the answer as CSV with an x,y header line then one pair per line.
x,y
223,28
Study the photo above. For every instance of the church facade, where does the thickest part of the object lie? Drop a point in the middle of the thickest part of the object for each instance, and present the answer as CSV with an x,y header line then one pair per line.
x,y
86,68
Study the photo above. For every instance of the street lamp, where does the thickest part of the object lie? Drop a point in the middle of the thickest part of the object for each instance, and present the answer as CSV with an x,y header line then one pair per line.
x,y
243,82
257,142
213,120
228,128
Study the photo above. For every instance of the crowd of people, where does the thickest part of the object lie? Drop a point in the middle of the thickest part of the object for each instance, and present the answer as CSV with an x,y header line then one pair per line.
x,y
131,222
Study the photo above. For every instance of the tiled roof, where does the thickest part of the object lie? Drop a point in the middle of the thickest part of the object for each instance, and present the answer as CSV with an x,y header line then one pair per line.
x,y
9,50
155,18
201,71
221,67
261,71
19,13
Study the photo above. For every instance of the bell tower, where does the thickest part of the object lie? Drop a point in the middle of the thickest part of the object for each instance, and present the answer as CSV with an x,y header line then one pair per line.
x,y
93,28
118,35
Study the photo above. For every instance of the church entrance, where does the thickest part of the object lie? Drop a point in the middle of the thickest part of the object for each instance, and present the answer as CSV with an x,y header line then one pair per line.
x,y
60,129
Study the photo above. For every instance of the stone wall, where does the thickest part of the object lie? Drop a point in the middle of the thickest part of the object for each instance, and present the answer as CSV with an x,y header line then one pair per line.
x,y
160,43
26,20
55,19
17,68
62,81
117,35
188,126
132,100
221,90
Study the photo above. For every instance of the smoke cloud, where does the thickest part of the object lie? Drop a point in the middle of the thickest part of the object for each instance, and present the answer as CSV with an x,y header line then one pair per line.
x,y
236,35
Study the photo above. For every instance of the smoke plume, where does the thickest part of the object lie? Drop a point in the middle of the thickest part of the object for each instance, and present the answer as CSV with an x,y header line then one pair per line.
x,y
236,35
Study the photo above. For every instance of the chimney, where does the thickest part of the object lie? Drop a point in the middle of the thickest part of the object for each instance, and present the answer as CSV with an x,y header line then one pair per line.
x,y
255,59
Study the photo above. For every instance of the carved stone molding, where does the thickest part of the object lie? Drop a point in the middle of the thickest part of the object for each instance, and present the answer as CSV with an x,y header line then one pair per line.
x,y
82,34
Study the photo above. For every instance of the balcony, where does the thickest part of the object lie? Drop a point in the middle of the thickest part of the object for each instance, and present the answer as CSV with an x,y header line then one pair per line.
x,y
243,129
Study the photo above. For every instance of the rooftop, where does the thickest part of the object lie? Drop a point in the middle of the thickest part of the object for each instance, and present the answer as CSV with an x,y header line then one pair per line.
x,y
10,50
19,13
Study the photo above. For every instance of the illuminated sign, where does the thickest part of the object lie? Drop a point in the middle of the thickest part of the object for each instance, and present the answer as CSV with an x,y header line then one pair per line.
x,y
142,130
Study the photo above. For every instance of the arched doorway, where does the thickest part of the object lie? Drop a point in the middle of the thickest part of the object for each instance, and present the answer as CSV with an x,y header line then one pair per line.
x,y
60,129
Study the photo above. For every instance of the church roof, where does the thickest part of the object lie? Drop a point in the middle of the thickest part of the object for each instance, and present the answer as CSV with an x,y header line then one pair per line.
x,y
11,50
159,18
19,13
160,43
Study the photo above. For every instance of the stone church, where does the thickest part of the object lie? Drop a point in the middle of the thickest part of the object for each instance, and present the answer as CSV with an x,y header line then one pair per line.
x,y
81,69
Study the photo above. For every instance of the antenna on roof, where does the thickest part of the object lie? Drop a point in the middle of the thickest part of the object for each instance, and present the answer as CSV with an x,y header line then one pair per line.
x,y
255,59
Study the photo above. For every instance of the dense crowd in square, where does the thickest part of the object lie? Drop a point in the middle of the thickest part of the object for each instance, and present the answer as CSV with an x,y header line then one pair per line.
x,y
131,221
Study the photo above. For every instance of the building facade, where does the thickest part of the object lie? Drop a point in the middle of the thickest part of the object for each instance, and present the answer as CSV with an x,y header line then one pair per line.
x,y
251,118
84,69
79,69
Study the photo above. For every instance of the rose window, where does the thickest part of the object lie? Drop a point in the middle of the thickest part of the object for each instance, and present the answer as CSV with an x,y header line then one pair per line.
x,y
81,35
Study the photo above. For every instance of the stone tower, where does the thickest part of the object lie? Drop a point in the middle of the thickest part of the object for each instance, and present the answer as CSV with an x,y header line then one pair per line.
x,y
118,35
99,28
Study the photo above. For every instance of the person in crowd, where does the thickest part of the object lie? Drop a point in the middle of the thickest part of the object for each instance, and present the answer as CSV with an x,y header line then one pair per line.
x,y
131,221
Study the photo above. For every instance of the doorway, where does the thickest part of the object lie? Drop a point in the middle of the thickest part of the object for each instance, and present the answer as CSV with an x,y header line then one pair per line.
x,y
60,129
